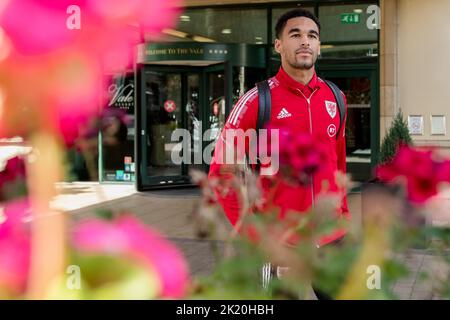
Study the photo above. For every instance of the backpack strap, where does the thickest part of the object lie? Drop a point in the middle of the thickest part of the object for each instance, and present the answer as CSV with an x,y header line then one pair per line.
x,y
264,109
340,102
265,104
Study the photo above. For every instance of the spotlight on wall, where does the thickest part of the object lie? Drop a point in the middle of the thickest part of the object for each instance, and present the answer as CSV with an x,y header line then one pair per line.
x,y
226,31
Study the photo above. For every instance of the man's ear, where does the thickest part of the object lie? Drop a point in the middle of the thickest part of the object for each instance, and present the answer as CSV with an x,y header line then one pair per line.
x,y
277,45
319,47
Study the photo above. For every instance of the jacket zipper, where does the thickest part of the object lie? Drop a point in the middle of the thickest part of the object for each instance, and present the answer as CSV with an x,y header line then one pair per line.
x,y
308,100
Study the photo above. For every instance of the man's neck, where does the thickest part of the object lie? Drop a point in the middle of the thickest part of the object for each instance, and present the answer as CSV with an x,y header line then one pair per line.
x,y
303,76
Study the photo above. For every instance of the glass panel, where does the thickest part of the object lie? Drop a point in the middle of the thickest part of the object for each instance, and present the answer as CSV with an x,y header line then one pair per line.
x,y
215,105
339,23
193,121
349,51
216,97
357,130
163,103
244,79
118,140
222,25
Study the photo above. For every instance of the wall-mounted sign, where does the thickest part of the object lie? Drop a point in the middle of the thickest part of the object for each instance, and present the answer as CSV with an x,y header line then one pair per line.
x,y
438,125
415,125
249,55
170,106
121,92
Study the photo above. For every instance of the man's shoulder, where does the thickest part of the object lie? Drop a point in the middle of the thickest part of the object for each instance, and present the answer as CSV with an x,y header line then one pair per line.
x,y
248,104
251,95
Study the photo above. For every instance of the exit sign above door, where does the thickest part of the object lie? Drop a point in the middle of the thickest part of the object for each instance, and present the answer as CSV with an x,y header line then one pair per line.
x,y
350,18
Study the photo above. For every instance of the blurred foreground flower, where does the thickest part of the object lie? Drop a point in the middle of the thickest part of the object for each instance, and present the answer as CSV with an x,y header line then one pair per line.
x,y
420,171
57,24
14,248
301,156
61,63
391,226
127,238
13,179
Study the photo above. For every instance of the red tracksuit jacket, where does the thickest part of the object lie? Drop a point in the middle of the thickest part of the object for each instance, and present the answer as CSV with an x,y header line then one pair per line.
x,y
293,104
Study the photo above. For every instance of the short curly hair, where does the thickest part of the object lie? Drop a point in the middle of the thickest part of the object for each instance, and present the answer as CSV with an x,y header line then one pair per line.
x,y
281,23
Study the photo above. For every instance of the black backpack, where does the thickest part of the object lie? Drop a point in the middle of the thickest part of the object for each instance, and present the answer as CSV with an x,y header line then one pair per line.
x,y
265,103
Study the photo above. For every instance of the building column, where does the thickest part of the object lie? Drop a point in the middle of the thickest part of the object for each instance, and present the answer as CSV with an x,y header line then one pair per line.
x,y
389,94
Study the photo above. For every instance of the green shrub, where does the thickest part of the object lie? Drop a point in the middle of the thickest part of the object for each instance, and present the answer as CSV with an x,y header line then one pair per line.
x,y
397,134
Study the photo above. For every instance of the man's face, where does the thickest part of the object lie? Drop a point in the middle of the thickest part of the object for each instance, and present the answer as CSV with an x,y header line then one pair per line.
x,y
299,44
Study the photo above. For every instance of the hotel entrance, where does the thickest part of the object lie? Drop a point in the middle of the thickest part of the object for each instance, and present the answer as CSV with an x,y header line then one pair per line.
x,y
185,93
180,105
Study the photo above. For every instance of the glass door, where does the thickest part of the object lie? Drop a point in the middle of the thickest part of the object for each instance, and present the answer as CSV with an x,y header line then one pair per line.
x,y
162,115
361,131
181,114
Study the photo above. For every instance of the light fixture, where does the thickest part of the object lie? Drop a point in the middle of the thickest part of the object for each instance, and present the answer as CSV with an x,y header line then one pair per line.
x,y
259,42
202,39
185,18
258,38
226,31
358,11
181,34
175,33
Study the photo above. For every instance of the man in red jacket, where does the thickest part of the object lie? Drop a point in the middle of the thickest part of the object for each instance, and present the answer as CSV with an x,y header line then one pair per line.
x,y
300,100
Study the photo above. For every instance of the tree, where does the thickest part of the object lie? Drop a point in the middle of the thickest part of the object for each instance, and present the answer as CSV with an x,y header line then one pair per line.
x,y
397,134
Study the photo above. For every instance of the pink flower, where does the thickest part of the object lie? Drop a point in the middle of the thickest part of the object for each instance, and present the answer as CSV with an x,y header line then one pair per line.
x,y
300,155
14,247
64,66
444,171
420,170
34,27
41,26
14,169
126,236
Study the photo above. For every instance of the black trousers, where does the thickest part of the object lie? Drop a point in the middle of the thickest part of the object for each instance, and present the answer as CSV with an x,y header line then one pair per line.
x,y
270,271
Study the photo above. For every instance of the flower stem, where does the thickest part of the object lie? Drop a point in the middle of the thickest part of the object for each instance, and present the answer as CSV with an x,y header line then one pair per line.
x,y
48,227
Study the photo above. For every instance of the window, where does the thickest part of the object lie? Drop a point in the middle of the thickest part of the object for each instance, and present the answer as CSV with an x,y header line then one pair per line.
x,y
118,162
235,25
346,23
349,51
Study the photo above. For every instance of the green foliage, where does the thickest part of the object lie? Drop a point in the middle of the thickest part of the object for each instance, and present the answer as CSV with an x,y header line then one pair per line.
x,y
104,213
237,277
13,190
397,134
